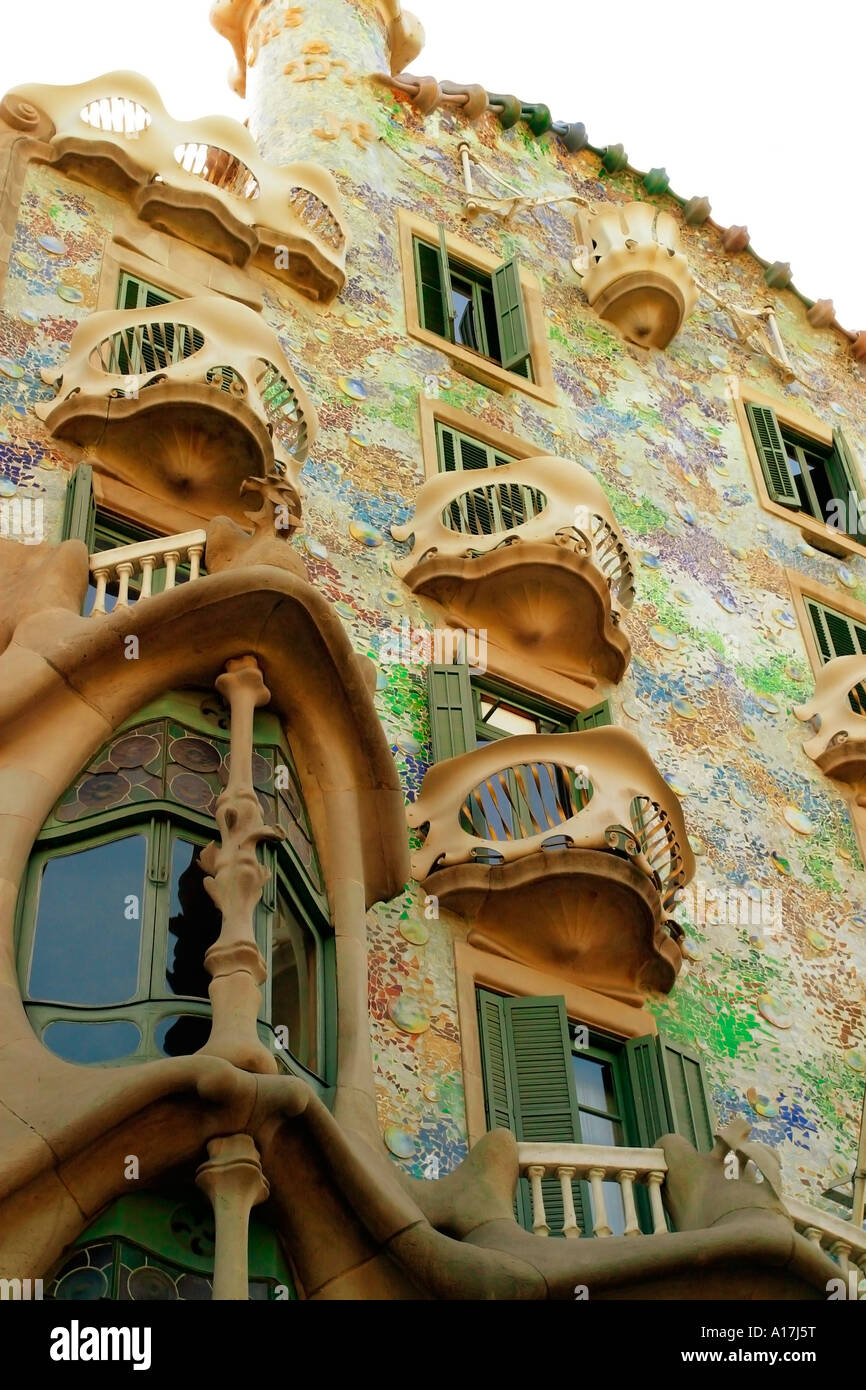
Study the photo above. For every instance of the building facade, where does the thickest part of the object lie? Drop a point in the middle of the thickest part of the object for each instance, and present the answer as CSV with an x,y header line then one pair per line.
x,y
406,874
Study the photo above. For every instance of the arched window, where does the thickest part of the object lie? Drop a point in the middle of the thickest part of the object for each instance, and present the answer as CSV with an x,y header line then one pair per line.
x,y
114,917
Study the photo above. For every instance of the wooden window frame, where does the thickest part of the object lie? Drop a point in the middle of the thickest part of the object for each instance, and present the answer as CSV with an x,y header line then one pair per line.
x,y
802,589
161,822
475,968
473,364
825,538
435,412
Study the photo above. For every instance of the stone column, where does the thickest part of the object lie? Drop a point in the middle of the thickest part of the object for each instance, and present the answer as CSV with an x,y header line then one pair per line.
x,y
235,881
234,1183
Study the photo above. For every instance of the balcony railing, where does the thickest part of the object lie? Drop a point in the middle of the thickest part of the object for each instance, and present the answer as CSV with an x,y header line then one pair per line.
x,y
220,399
547,500
131,568
837,714
602,1165
599,1166
516,796
203,181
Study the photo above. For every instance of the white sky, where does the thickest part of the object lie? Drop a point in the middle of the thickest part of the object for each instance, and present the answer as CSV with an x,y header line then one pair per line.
x,y
760,107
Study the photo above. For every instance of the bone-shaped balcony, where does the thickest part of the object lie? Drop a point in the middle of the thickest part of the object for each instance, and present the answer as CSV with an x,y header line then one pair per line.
x,y
565,852
837,714
202,181
183,400
638,277
530,552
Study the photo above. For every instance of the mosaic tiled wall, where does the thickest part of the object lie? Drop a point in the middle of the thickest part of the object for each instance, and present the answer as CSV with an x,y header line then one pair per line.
x,y
718,660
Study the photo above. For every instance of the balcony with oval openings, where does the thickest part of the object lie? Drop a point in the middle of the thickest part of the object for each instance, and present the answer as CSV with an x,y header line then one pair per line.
x,y
530,552
837,715
564,852
201,181
185,399
638,278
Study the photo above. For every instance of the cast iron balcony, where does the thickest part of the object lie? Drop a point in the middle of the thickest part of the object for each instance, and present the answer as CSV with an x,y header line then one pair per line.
x,y
638,278
185,400
837,713
203,181
531,553
565,852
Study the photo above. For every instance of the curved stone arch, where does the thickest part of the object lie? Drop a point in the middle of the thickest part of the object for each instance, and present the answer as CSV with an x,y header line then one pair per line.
x,y
67,683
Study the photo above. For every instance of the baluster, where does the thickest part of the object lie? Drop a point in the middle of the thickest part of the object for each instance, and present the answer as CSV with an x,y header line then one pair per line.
x,y
539,1215
842,1251
626,1181
172,558
101,577
654,1182
195,553
600,1228
124,570
813,1234
147,565
570,1228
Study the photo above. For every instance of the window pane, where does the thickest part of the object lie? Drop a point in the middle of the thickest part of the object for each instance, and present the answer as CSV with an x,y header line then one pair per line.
x,y
597,1129
92,1042
182,1034
506,718
86,948
594,1081
294,1004
465,327
194,924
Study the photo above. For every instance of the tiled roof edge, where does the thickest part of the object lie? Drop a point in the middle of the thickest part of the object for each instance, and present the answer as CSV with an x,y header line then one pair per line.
x,y
472,100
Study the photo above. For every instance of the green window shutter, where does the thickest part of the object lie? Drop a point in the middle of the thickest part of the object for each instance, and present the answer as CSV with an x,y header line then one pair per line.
x,y
510,315
452,716
773,455
495,1061
596,718
133,293
79,512
844,475
529,1089
433,281
668,1092
447,449
835,634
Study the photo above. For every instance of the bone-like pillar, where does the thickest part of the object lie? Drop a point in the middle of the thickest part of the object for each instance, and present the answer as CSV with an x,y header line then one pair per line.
x,y
234,1183
235,881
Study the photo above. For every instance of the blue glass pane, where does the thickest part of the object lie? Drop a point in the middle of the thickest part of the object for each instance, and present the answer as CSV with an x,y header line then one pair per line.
x,y
92,1042
182,1034
88,927
194,924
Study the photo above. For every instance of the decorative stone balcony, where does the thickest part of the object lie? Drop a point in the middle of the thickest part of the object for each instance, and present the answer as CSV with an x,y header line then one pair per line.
x,y
837,713
564,852
531,553
598,1164
638,279
201,181
185,400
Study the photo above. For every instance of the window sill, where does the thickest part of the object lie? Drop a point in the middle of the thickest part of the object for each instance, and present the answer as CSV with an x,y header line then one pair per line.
x,y
482,369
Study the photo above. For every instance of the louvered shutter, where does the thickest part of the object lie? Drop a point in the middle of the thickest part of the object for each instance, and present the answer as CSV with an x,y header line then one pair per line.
x,y
545,1096
452,716
668,1092
433,279
79,512
596,718
844,476
510,315
773,455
